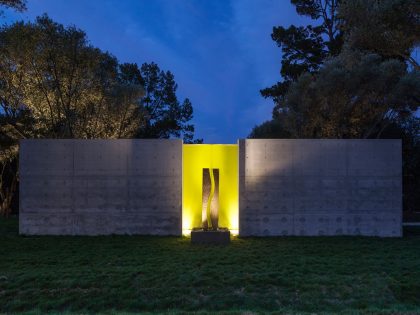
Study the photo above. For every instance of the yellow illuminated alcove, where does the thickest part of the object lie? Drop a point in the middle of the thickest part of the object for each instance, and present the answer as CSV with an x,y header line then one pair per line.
x,y
195,158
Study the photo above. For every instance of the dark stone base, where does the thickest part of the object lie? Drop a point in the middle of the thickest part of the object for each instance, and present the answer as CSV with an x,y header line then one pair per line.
x,y
210,237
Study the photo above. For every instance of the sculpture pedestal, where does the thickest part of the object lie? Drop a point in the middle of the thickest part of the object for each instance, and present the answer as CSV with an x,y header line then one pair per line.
x,y
210,237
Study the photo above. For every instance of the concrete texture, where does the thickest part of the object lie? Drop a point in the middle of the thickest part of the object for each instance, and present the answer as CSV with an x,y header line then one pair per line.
x,y
320,187
94,187
286,187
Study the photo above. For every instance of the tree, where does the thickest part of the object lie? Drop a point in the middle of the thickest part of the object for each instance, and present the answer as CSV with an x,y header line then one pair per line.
x,y
70,88
386,29
370,88
410,135
305,48
390,28
18,5
354,95
165,116
8,169
408,131
55,84
271,129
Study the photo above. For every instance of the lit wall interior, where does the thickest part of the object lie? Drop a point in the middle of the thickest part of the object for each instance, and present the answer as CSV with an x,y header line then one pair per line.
x,y
195,158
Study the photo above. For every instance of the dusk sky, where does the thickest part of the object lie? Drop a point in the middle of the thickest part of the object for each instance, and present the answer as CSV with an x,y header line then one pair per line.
x,y
220,51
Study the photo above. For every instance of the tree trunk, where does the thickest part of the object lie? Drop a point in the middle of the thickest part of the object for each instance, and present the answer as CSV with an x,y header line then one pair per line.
x,y
6,196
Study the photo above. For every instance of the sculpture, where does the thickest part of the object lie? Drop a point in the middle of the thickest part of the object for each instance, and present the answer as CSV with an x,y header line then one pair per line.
x,y
210,233
210,203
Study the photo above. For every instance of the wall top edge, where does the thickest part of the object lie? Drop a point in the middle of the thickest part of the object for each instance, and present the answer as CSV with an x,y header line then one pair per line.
x,y
92,140
224,144
326,140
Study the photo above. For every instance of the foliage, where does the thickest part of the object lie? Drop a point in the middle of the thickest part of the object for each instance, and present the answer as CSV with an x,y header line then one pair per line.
x,y
70,88
390,28
305,48
271,129
165,116
387,29
353,76
14,125
55,84
8,178
410,135
290,275
354,95
408,130
18,5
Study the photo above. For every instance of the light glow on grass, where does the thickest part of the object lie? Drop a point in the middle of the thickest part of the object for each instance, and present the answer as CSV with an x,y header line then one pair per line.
x,y
186,232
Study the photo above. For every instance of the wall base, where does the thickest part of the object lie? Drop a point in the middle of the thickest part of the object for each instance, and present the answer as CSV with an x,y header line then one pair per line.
x,y
218,237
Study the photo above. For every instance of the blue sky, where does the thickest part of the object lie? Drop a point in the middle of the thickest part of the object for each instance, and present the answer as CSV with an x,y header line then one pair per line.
x,y
220,51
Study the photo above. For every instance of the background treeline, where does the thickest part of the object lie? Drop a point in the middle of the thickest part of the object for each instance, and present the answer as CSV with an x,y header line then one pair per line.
x,y
55,84
351,74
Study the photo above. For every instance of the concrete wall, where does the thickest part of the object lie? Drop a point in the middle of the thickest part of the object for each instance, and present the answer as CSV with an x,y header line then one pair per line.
x,y
320,187
286,187
91,187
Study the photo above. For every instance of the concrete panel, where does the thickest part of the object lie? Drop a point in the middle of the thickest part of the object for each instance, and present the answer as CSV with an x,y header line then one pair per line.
x,y
269,224
320,187
374,158
100,157
319,158
44,194
46,157
154,157
46,223
97,187
286,187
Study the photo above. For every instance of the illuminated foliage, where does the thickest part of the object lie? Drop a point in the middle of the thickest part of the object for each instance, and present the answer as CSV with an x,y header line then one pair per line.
x,y
71,89
55,84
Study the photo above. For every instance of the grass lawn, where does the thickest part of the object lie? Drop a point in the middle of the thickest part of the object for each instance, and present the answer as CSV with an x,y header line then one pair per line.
x,y
129,274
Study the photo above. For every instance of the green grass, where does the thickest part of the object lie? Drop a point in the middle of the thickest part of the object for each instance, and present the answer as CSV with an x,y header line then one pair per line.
x,y
129,274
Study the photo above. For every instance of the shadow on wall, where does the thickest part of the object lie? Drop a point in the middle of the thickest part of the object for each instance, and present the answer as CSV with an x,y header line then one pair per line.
x,y
284,187
320,187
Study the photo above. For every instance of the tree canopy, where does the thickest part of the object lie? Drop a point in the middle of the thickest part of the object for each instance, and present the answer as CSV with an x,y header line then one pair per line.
x,y
74,90
305,48
390,28
355,95
351,75
165,116
70,88
18,5
55,84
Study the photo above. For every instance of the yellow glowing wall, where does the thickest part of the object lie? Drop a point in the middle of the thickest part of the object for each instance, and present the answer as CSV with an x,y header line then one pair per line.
x,y
195,158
